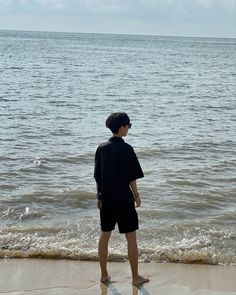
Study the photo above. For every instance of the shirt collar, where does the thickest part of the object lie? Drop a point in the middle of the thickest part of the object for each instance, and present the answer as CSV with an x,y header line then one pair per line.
x,y
116,139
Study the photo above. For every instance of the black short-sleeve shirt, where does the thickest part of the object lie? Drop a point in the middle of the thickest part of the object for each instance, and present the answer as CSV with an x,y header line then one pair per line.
x,y
116,165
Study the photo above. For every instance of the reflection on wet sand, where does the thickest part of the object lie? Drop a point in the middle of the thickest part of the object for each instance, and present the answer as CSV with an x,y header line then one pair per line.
x,y
112,290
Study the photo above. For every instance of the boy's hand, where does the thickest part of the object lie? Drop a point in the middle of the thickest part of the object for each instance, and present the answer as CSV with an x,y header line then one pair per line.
x,y
137,201
99,204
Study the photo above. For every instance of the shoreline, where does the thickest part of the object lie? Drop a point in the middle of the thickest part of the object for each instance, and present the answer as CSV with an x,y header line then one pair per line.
x,y
67,277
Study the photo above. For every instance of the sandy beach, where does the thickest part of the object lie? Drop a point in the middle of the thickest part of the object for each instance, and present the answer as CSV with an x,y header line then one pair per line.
x,y
55,277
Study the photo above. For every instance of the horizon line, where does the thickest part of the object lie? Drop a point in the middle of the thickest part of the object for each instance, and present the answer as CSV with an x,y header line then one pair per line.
x,y
103,33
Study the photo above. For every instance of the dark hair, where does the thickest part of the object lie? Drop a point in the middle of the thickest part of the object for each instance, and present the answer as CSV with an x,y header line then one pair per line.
x,y
117,120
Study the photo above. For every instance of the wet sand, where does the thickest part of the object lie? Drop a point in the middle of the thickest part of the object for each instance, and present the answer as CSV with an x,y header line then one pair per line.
x,y
67,277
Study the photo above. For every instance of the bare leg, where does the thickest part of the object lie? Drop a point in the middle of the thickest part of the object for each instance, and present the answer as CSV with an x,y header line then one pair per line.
x,y
103,253
133,259
132,252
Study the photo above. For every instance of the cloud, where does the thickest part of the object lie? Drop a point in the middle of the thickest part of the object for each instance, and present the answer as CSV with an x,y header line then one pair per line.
x,y
119,8
156,9
57,4
30,5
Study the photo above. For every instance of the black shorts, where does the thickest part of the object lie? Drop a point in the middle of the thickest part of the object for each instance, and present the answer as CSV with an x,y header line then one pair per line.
x,y
126,217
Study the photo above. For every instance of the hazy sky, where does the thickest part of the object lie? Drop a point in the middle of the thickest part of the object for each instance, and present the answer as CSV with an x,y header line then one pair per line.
x,y
213,18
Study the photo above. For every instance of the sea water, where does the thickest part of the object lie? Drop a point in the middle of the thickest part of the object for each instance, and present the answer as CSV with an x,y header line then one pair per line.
x,y
56,91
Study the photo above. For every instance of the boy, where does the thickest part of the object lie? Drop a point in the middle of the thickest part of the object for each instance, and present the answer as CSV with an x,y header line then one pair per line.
x,y
116,171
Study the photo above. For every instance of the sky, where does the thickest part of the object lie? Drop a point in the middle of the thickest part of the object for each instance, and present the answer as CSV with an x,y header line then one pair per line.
x,y
199,18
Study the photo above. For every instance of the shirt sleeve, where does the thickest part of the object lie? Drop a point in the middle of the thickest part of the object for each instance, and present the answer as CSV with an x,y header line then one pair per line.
x,y
97,166
134,169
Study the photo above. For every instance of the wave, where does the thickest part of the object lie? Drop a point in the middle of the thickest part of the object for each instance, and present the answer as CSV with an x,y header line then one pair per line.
x,y
14,68
186,183
192,150
50,243
38,207
60,158
160,256
43,196
7,100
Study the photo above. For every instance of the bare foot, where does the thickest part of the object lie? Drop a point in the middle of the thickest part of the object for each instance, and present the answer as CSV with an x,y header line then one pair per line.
x,y
139,281
105,279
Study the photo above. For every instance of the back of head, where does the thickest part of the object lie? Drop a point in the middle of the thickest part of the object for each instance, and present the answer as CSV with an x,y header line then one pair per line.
x,y
117,120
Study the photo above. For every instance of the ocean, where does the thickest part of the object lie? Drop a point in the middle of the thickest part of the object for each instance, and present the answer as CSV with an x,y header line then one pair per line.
x,y
56,91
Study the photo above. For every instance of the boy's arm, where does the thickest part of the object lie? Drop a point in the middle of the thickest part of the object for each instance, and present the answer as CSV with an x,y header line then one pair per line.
x,y
99,202
133,185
